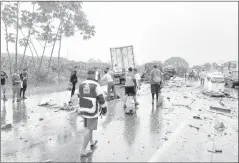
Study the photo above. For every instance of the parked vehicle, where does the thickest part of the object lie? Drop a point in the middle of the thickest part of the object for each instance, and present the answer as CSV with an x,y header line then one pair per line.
x,y
214,83
169,73
121,59
230,71
148,68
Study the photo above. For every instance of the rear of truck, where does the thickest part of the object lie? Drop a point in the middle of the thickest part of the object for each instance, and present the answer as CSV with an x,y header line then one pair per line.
x,y
121,59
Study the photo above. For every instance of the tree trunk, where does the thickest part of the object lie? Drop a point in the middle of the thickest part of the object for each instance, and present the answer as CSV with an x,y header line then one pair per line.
x,y
25,49
49,64
7,48
34,48
41,61
59,54
16,36
33,59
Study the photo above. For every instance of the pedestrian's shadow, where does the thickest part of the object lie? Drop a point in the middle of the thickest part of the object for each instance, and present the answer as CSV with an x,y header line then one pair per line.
x,y
3,115
19,112
155,118
131,126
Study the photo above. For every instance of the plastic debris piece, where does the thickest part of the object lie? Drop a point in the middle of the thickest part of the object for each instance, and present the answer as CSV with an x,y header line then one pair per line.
x,y
7,126
194,127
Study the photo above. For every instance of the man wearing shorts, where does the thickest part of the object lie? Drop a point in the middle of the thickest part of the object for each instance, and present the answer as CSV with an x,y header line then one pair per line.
x,y
111,86
92,105
155,82
3,84
130,86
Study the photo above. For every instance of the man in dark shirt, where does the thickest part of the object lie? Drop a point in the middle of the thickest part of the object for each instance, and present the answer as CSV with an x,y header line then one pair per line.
x,y
24,78
3,84
73,80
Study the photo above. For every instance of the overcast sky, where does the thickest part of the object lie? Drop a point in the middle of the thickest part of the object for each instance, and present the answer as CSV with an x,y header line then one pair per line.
x,y
199,32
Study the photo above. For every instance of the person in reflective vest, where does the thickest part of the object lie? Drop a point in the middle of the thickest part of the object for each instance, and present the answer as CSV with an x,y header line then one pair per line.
x,y
92,105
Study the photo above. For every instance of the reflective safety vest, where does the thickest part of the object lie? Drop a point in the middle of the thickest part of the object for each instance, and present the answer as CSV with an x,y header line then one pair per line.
x,y
91,99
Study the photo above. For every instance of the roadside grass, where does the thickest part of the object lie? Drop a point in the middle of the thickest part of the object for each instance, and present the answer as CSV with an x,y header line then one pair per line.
x,y
41,89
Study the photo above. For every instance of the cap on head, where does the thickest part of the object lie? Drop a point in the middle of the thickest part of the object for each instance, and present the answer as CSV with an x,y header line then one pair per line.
x,y
130,69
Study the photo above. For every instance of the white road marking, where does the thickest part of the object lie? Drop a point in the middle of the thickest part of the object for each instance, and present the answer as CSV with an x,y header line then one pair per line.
x,y
166,145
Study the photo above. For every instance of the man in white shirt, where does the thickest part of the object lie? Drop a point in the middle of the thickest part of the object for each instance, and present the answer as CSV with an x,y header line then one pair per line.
x,y
97,74
138,78
111,86
110,72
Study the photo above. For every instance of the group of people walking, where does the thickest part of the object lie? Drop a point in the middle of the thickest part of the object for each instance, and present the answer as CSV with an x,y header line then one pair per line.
x,y
19,84
92,102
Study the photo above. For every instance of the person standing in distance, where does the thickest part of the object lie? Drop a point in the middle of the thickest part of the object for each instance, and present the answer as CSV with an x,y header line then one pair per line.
x,y
111,86
130,86
155,83
92,105
97,74
73,80
16,85
202,77
4,77
24,78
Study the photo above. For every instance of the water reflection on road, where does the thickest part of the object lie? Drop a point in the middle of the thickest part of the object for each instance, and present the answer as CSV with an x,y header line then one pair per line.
x,y
59,135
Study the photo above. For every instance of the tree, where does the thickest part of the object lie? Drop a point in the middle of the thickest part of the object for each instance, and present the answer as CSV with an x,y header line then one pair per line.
x,y
27,21
8,16
16,43
176,62
70,18
198,67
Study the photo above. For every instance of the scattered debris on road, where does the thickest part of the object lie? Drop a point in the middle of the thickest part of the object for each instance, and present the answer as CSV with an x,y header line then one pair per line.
x,y
215,151
166,139
220,102
197,117
7,126
194,127
41,119
220,109
220,126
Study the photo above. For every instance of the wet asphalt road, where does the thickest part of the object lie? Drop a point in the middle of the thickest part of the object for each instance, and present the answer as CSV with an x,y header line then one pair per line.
x,y
58,137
